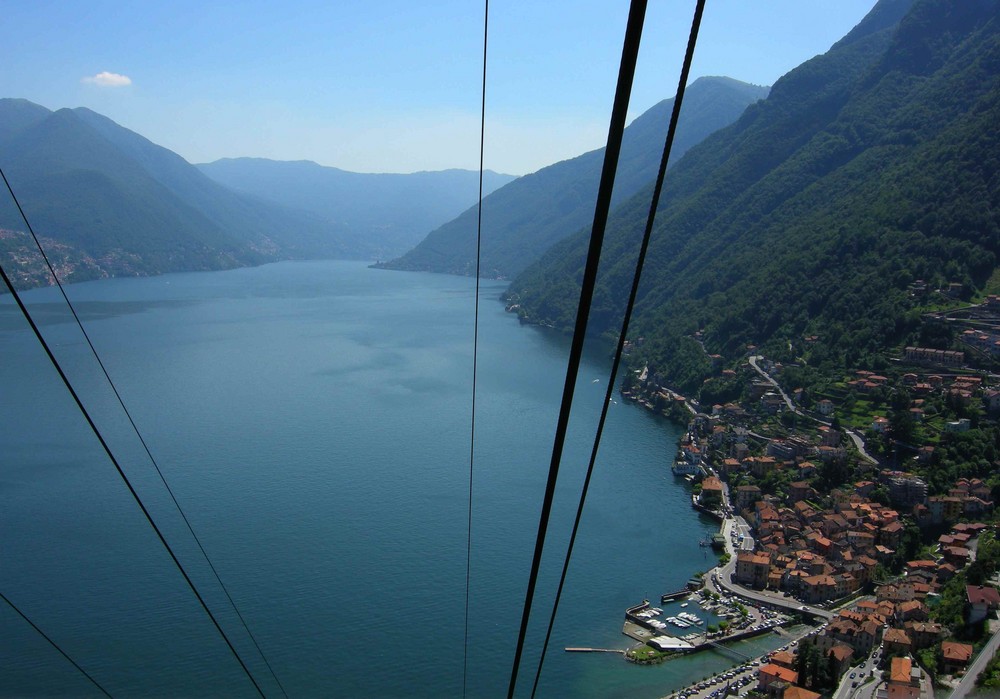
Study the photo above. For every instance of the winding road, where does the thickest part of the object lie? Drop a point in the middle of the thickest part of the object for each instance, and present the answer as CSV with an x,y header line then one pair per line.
x,y
859,442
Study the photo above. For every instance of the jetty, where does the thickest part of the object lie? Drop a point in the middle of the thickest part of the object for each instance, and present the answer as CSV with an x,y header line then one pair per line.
x,y
671,596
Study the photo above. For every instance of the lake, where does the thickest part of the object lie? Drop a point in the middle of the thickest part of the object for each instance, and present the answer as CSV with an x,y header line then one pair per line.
x,y
313,420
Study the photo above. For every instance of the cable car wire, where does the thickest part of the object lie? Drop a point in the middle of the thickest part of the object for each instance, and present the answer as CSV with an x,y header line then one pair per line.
x,y
637,275
55,645
138,434
619,112
142,441
475,354
107,450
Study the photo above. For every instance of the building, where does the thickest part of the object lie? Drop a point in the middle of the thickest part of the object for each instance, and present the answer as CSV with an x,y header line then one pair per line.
x,y
955,657
784,659
794,692
746,496
944,508
982,601
906,490
799,490
771,673
904,680
711,492
923,634
896,642
927,355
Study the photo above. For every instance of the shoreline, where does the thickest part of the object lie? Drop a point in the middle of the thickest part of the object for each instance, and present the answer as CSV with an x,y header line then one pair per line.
x,y
741,672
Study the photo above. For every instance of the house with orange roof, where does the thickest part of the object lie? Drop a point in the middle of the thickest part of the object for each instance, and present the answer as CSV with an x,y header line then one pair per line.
x,y
796,692
982,600
903,683
711,492
923,634
914,610
955,657
771,673
896,642
784,659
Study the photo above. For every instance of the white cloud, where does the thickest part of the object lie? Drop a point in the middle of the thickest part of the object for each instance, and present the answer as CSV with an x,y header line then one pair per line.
x,y
106,79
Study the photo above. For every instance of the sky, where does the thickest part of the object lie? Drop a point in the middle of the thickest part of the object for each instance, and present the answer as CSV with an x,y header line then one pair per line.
x,y
387,85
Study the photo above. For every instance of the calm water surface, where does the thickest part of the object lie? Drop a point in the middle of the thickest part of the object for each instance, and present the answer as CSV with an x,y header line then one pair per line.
x,y
313,421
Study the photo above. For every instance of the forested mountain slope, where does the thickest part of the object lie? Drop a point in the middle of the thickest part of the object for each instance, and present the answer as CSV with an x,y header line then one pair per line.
x,y
390,212
524,218
866,169
124,206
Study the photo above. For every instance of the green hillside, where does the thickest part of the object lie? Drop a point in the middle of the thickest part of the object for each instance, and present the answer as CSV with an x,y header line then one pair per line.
x,y
524,218
126,206
866,169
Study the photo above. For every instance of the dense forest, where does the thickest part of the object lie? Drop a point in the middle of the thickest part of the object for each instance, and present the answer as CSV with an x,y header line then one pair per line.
x,y
802,228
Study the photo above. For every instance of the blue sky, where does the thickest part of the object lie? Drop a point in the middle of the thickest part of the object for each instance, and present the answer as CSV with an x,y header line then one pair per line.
x,y
386,85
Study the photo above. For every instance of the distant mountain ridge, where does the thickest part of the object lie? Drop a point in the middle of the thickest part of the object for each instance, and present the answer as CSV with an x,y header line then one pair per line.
x,y
397,210
800,228
113,203
129,207
524,218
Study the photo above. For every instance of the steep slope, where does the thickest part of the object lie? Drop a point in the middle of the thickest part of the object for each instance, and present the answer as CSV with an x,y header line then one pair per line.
x,y
131,207
866,169
79,190
524,218
390,211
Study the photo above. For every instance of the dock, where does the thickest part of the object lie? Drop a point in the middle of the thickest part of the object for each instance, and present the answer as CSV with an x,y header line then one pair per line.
x,y
594,650
679,594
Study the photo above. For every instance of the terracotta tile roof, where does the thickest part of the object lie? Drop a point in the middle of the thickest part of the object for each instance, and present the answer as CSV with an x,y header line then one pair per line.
x,y
956,652
896,636
983,595
781,673
796,692
783,657
841,652
900,669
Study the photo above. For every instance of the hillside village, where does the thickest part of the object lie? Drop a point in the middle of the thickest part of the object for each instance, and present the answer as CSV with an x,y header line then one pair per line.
x,y
872,495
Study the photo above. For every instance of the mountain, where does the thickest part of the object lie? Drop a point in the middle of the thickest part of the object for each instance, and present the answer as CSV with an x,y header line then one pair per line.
x,y
393,212
524,218
126,206
803,227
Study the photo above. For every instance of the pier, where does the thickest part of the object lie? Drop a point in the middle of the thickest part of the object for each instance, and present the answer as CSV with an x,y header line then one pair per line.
x,y
671,596
595,650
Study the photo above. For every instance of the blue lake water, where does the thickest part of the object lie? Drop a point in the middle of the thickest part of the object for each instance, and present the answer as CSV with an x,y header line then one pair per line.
x,y
313,419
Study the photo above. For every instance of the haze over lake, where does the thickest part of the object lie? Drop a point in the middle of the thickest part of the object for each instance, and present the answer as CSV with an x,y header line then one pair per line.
x,y
313,421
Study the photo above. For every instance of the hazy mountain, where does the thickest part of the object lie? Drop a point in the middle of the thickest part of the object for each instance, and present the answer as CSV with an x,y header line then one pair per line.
x,y
866,169
524,218
127,206
392,212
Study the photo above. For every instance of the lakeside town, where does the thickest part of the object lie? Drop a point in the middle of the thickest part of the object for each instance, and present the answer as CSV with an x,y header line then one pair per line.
x,y
857,514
